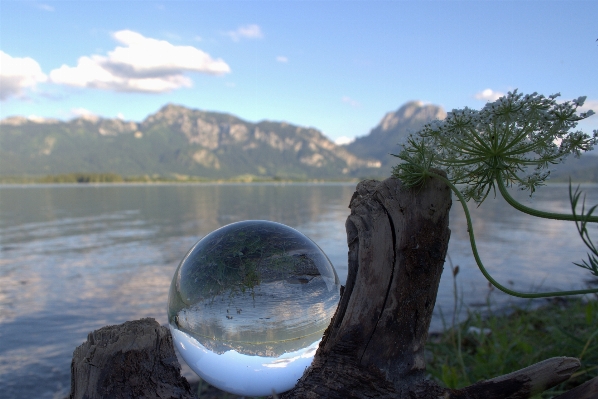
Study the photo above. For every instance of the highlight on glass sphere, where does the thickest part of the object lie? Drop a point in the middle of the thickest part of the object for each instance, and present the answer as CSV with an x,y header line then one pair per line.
x,y
248,306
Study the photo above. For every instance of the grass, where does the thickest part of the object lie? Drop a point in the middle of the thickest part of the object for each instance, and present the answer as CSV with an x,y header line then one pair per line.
x,y
499,341
498,345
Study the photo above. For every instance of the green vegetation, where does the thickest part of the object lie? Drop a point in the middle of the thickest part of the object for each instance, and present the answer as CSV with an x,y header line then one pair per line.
x,y
493,148
500,341
486,347
83,178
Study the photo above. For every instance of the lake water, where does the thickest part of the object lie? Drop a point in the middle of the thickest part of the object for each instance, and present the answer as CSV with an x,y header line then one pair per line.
x,y
76,258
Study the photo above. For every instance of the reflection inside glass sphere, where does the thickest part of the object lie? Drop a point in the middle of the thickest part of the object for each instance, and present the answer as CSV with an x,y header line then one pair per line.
x,y
248,306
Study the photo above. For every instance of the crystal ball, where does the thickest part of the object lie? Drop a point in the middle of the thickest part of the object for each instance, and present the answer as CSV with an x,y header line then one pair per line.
x,y
248,306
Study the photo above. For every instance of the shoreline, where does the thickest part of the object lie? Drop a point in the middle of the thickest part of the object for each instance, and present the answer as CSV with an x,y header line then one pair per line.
x,y
92,180
9,181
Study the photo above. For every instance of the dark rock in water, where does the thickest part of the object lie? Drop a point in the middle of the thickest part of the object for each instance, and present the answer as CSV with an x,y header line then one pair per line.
x,y
135,359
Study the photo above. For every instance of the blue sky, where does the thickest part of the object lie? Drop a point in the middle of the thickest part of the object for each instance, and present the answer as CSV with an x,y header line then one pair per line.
x,y
338,66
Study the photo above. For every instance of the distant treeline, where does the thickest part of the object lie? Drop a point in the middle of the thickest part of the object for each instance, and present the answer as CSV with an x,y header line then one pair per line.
x,y
68,178
83,178
97,178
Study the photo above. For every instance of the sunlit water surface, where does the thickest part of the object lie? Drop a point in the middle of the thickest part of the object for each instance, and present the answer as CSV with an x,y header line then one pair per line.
x,y
77,258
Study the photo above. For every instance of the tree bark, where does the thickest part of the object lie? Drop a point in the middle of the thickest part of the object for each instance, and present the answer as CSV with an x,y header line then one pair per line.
x,y
397,240
131,360
587,390
523,383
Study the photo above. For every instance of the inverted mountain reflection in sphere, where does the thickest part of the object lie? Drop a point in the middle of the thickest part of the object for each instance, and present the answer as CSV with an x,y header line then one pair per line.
x,y
248,306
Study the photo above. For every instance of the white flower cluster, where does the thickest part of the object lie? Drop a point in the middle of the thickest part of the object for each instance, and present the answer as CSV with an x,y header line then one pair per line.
x,y
502,140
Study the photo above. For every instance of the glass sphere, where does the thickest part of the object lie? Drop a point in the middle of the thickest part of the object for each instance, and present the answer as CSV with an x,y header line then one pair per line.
x,y
248,306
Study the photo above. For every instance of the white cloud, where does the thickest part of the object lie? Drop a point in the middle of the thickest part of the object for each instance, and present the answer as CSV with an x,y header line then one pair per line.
x,y
350,101
589,105
247,31
141,65
84,114
488,95
36,119
282,58
45,7
342,140
591,123
81,112
17,74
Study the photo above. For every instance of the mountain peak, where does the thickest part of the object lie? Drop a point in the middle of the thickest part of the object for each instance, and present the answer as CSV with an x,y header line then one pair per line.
x,y
413,111
169,112
392,130
170,107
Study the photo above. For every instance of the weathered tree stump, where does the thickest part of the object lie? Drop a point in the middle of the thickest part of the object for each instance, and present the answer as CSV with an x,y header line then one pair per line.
x,y
374,346
135,359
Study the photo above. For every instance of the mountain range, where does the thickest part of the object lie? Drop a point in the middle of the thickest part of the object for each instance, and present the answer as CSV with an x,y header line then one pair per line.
x,y
181,143
174,142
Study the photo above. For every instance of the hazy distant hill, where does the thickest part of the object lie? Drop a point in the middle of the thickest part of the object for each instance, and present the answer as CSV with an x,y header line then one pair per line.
x,y
584,169
392,130
174,141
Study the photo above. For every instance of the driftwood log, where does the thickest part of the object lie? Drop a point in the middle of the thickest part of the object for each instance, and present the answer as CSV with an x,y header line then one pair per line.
x,y
131,360
374,346
587,390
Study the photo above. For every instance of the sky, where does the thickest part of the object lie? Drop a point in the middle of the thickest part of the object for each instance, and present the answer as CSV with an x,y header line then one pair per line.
x,y
338,66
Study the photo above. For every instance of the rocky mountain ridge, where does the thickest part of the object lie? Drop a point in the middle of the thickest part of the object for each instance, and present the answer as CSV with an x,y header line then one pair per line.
x,y
175,141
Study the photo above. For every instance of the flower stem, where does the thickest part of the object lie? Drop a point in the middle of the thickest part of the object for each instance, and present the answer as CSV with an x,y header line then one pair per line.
x,y
477,256
535,212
